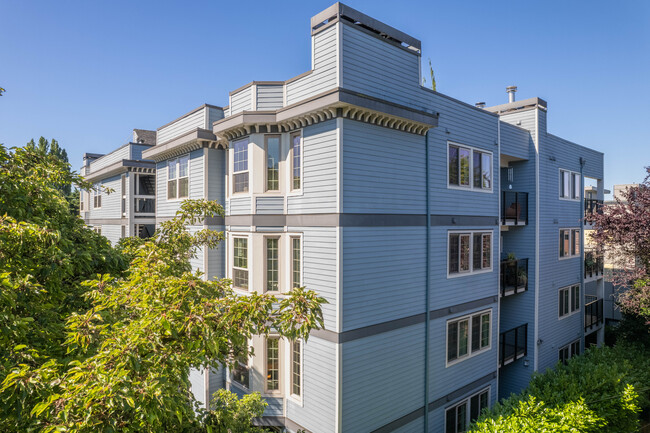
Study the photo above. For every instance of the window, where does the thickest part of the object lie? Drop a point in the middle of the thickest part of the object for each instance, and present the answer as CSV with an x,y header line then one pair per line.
x,y
178,181
123,185
97,197
272,145
459,416
469,168
569,242
240,169
240,263
570,183
296,166
240,373
123,232
295,263
272,364
569,351
272,267
569,300
81,200
296,368
463,245
468,335
98,229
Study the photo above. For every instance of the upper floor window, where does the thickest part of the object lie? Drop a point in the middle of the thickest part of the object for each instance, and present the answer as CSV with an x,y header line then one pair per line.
x,y
272,364
461,415
272,264
240,263
240,167
469,168
272,146
296,161
296,368
468,335
81,200
296,254
178,181
470,251
569,242
97,197
569,351
569,185
569,300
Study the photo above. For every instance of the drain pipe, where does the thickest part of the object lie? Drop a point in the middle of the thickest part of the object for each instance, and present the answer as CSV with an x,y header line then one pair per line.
x,y
582,251
427,289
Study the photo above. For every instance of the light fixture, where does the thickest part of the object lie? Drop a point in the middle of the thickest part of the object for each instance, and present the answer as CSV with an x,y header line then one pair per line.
x,y
526,362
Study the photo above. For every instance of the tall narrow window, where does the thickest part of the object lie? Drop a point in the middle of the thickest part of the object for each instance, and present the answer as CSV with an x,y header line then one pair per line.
x,y
241,374
576,242
272,264
295,262
464,166
240,263
296,166
272,163
453,165
565,184
296,368
576,185
81,200
575,298
272,364
172,181
183,177
240,169
97,196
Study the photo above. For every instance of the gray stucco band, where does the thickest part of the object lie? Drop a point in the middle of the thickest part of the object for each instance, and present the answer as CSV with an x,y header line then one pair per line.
x,y
403,322
460,392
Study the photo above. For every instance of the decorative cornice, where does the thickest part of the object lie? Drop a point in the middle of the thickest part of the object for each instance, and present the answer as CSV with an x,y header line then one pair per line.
x,y
122,166
195,139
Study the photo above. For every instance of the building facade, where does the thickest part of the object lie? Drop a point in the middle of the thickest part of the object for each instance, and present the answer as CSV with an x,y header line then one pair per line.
x,y
446,237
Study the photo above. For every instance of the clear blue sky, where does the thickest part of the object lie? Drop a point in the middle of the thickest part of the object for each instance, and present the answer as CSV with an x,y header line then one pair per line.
x,y
87,73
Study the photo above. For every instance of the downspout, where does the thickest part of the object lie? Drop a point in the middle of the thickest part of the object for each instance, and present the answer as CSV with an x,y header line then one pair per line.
x,y
499,194
582,252
427,289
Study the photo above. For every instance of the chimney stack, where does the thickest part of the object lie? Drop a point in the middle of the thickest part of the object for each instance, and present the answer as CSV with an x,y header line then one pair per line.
x,y
480,105
511,93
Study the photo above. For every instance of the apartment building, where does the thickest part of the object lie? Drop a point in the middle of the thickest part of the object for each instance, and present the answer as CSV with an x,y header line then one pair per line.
x,y
446,237
123,201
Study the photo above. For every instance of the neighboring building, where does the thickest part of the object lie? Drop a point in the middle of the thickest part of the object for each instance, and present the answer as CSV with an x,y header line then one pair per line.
x,y
128,209
447,238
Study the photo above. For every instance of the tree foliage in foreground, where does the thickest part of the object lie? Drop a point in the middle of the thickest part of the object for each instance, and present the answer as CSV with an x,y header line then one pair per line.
x,y
112,348
601,391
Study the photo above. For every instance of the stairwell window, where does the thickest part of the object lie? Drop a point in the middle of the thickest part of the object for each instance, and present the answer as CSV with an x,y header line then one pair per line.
x,y
468,335
461,415
569,185
569,300
569,351
469,168
240,167
240,263
469,251
272,147
569,243
178,181
296,161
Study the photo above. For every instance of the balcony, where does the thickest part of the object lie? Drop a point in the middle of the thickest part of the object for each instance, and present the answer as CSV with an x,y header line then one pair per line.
x,y
513,344
514,276
594,263
144,206
592,206
514,208
593,312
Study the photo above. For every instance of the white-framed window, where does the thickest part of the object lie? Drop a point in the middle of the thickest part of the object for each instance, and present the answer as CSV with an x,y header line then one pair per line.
x,y
241,373
272,151
97,229
468,335
272,258
570,183
469,251
296,368
569,243
97,197
240,165
272,364
178,180
296,262
81,200
569,351
569,300
240,263
469,167
459,416
296,161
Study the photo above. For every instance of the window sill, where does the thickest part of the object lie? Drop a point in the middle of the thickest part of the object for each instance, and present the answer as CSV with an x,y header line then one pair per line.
x,y
466,357
470,188
468,273
570,199
569,257
569,314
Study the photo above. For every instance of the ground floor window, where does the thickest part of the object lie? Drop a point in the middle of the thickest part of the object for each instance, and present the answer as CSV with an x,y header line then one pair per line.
x,y
459,416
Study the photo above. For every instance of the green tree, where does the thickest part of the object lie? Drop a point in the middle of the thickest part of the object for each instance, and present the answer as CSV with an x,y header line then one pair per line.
x,y
2,91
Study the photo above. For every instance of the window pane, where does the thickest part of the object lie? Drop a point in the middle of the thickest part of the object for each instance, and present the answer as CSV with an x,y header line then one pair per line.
x,y
483,401
576,185
476,332
453,252
566,184
461,416
464,166
477,169
575,299
450,420
240,278
272,264
464,252
295,262
487,251
463,337
183,187
171,189
478,249
295,145
272,364
241,155
561,303
183,166
474,408
240,374
576,242
241,253
453,165
295,368
452,341
171,169
241,182
272,163
486,166
485,330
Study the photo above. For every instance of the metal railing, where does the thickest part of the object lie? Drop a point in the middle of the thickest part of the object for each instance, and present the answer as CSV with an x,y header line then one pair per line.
x,y
514,276
594,263
144,205
514,208
593,205
513,344
593,314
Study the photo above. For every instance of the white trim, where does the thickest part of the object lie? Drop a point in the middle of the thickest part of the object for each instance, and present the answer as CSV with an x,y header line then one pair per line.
x,y
298,399
498,324
471,234
231,255
537,241
470,353
266,391
471,186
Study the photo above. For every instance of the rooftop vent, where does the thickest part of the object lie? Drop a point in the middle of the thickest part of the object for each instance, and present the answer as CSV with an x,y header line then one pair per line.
x,y
480,105
511,90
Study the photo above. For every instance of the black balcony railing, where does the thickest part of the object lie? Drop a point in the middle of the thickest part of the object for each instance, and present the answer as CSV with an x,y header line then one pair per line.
x,y
514,276
144,205
593,314
594,263
514,208
513,345
593,205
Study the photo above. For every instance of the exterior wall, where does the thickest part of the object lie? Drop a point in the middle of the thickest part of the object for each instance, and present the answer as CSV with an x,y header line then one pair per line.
x,y
515,141
241,101
167,208
200,118
269,97
111,202
123,152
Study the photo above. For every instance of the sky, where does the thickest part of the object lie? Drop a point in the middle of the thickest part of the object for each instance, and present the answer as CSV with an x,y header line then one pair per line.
x,y
87,73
